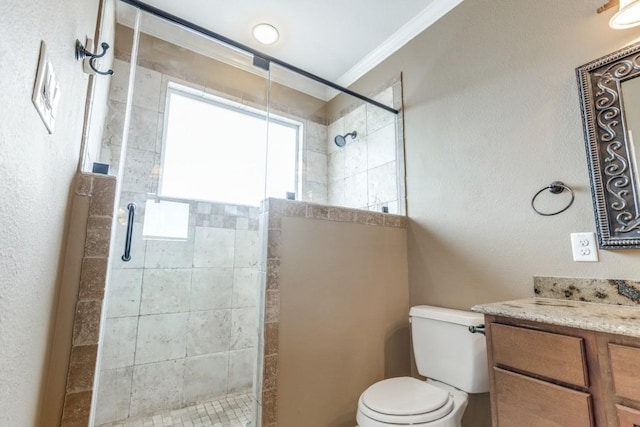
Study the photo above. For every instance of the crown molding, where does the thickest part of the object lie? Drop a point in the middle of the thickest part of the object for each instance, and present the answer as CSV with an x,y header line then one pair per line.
x,y
415,26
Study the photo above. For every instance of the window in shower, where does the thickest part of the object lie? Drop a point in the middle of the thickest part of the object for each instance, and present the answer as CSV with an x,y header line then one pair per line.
x,y
215,150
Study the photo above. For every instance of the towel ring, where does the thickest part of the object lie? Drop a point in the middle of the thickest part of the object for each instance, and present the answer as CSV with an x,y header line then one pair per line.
x,y
556,187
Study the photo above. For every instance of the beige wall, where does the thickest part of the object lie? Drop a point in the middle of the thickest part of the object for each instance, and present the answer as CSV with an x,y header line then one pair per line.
x,y
491,116
36,172
343,317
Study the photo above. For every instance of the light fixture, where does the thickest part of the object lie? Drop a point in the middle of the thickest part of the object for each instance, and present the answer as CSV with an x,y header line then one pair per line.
x,y
265,33
628,16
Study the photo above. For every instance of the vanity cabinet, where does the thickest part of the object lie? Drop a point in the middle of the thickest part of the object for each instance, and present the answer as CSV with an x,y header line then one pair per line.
x,y
544,375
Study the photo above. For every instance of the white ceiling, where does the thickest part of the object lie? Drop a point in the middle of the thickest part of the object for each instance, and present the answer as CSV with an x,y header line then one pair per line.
x,y
338,40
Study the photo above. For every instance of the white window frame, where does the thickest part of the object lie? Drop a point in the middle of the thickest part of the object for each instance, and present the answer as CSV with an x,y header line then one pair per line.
x,y
218,101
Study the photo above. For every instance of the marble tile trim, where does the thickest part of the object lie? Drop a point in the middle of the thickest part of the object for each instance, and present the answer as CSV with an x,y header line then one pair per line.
x,y
606,291
279,208
608,318
100,190
273,210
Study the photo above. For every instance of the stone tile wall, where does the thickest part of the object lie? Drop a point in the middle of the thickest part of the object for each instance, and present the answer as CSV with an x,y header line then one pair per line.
x,y
367,172
314,175
100,192
181,315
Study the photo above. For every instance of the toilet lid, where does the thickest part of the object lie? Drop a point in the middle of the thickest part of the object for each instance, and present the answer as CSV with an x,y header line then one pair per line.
x,y
404,396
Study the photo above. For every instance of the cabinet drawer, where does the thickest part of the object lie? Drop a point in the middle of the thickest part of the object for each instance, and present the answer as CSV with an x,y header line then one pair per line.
x,y
549,355
625,367
524,401
627,417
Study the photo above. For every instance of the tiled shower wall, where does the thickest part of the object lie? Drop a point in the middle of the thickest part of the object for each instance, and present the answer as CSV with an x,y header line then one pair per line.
x,y
181,315
365,173
314,181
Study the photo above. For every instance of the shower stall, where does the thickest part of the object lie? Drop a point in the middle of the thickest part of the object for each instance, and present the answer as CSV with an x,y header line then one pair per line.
x,y
198,137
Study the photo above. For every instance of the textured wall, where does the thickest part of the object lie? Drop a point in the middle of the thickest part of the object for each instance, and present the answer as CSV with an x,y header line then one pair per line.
x,y
343,319
492,115
36,171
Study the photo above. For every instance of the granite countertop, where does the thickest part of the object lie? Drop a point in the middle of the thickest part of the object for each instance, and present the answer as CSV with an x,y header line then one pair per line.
x,y
609,318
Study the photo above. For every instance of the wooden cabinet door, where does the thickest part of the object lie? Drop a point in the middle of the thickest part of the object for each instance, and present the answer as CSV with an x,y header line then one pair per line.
x,y
625,368
526,402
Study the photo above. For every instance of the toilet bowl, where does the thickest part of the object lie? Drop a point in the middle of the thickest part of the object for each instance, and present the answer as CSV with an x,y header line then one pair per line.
x,y
411,402
451,354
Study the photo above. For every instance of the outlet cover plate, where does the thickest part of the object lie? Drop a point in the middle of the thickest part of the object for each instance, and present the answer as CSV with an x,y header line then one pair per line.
x,y
46,91
584,247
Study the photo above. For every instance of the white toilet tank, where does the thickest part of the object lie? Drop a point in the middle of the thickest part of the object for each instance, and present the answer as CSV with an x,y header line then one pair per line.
x,y
446,351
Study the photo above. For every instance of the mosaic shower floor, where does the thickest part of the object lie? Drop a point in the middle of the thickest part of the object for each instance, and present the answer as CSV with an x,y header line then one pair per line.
x,y
233,410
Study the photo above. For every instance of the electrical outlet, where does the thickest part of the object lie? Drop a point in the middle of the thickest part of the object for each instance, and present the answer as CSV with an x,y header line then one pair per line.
x,y
584,247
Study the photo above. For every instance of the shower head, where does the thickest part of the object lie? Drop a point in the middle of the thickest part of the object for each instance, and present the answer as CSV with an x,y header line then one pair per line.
x,y
341,140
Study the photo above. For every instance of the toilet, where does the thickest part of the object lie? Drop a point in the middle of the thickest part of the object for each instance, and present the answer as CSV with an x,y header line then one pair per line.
x,y
453,360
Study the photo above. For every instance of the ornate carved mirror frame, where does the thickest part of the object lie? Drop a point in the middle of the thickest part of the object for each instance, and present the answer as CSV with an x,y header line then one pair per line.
x,y
612,167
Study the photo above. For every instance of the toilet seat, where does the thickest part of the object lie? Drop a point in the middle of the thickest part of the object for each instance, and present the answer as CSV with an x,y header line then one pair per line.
x,y
405,400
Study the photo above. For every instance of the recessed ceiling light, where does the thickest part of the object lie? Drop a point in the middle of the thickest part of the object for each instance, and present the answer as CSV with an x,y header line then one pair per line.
x,y
265,33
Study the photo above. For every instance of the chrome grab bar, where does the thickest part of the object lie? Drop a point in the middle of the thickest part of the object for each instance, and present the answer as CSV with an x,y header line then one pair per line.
x,y
126,257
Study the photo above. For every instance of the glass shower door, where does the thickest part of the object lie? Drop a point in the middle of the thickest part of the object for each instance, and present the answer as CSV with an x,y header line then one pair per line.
x,y
180,334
